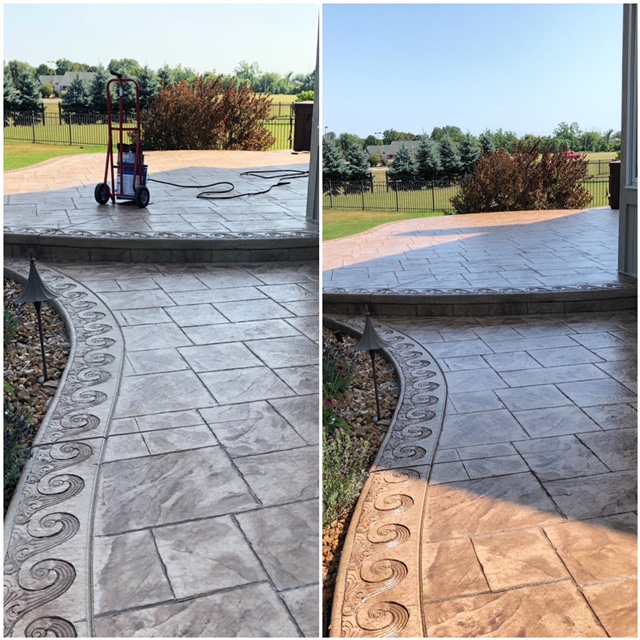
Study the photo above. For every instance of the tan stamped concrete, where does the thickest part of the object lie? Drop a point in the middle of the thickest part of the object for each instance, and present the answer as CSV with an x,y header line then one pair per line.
x,y
503,502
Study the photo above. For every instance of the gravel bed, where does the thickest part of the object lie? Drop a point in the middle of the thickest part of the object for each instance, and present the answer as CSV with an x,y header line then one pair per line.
x,y
23,362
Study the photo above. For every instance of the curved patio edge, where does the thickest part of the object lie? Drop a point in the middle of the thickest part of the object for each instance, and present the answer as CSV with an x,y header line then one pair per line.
x,y
105,246
617,296
48,527
378,584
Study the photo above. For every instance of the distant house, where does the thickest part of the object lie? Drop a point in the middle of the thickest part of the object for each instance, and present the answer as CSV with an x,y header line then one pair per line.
x,y
388,151
62,83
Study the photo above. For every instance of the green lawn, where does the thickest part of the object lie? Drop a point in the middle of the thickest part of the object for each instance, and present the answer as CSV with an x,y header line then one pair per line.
x,y
339,224
24,154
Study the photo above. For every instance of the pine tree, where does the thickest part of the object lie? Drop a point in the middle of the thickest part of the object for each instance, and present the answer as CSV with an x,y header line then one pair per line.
x,y
357,162
77,99
11,97
333,164
450,158
28,88
403,167
428,160
149,87
98,91
469,154
165,78
486,143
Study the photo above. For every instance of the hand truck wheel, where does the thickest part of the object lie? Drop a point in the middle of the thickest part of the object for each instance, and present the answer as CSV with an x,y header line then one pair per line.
x,y
102,193
142,197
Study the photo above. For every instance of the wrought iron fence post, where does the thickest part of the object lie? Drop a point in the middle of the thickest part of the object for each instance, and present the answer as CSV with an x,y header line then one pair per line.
x,y
433,196
395,184
70,133
362,192
33,125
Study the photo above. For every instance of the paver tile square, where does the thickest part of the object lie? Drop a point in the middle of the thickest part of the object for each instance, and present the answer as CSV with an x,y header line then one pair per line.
x,y
593,551
288,292
466,381
160,393
552,375
555,421
223,277
251,310
463,363
252,611
451,569
487,505
559,457
157,336
169,420
448,472
131,561
282,476
535,397
119,447
544,611
168,488
614,416
597,392
251,428
170,284
136,299
285,352
512,361
475,401
154,315
486,451
479,428
199,555
245,385
498,466
305,608
594,496
193,315
156,361
303,380
622,371
239,295
241,331
518,558
286,540
616,605
219,357
617,448
179,439
302,414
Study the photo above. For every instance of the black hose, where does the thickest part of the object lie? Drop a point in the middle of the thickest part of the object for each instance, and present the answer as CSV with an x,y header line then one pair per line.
x,y
283,175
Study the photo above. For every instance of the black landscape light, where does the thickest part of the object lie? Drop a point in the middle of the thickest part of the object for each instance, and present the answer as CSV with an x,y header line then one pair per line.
x,y
35,291
371,342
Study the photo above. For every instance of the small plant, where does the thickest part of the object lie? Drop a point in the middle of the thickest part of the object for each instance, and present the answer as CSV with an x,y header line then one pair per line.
x,y
344,470
16,449
336,372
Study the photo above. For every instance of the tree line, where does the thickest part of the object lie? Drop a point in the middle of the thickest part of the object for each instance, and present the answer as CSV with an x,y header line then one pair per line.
x,y
23,91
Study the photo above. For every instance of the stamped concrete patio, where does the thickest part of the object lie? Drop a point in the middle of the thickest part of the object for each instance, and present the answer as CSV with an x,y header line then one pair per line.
x,y
503,501
173,487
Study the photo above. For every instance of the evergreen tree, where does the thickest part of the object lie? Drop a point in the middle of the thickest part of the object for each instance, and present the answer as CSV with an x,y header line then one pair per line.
x,y
98,91
77,99
11,97
403,167
149,87
28,88
486,143
450,158
469,154
333,164
357,162
164,76
428,160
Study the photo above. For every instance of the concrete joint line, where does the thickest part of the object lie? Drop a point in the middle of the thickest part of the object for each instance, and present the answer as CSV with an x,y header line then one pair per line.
x,y
378,586
49,524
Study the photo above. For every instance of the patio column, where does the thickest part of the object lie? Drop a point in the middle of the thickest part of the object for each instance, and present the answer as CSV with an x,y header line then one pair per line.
x,y
628,229
313,202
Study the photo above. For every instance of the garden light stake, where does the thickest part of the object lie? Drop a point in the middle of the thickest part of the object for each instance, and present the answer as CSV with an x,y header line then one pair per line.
x,y
35,291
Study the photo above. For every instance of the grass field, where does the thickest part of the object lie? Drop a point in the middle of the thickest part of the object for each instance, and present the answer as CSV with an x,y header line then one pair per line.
x,y
24,154
339,224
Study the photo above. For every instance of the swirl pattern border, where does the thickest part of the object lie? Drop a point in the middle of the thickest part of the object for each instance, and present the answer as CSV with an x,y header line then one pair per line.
x,y
47,581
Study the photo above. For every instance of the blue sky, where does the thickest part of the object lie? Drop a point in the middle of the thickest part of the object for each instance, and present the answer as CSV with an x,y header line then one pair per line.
x,y
523,68
279,37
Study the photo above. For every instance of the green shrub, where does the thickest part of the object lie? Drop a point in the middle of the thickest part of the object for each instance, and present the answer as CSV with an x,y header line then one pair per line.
x,y
530,178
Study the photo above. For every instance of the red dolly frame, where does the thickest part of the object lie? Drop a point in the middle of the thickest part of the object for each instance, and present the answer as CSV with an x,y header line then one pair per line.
x,y
140,192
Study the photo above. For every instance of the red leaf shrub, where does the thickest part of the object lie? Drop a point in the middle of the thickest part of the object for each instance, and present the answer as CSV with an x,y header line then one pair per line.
x,y
208,114
527,179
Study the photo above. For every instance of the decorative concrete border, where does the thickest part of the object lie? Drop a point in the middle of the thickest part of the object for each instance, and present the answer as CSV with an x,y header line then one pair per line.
x,y
48,527
377,591
613,296
161,247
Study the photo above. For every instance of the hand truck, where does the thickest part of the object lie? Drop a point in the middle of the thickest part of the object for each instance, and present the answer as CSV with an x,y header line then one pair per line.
x,y
129,173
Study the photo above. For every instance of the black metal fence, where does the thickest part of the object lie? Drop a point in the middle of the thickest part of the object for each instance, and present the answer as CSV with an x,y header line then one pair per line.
x,y
91,130
419,195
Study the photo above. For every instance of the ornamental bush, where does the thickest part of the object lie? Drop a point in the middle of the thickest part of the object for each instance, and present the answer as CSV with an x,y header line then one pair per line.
x,y
530,178
207,114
